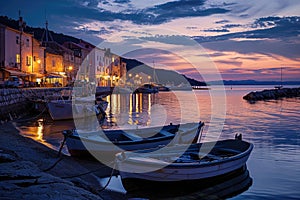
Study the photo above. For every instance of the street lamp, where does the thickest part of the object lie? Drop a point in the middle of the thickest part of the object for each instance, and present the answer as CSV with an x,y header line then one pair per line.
x,y
70,68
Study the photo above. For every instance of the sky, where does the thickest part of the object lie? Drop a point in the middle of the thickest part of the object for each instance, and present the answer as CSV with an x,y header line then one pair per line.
x,y
204,39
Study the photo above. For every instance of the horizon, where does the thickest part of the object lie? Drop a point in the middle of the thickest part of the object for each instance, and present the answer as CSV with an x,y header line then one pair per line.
x,y
230,40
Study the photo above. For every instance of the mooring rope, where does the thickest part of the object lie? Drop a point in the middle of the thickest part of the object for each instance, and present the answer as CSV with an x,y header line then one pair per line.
x,y
31,118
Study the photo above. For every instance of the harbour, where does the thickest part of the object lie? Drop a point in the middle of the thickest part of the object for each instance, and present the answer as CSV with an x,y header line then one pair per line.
x,y
272,126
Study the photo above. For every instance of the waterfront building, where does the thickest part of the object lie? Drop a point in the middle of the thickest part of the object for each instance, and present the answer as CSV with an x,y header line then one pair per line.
x,y
18,51
47,61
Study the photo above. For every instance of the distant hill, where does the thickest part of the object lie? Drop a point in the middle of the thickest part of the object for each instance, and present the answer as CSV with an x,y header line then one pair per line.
x,y
163,76
253,82
38,32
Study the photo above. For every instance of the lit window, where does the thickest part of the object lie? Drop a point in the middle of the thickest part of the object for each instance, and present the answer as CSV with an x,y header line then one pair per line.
x,y
28,60
18,58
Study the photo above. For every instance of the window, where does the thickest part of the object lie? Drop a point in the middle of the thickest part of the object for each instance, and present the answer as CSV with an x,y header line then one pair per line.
x,y
53,63
28,60
17,39
18,58
27,42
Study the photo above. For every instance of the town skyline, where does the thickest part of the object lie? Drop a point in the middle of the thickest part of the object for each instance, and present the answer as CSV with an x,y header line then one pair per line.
x,y
242,40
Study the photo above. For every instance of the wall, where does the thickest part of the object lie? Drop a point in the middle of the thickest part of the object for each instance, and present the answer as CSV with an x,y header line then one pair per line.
x,y
16,102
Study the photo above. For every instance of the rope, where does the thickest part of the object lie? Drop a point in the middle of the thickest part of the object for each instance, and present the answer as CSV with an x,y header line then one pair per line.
x,y
112,172
52,166
89,172
32,118
62,145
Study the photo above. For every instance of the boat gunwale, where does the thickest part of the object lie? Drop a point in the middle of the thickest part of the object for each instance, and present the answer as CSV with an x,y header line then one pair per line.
x,y
196,164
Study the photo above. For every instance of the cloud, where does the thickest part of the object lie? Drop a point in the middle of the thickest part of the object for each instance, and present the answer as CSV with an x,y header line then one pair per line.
x,y
217,30
228,62
231,26
222,21
267,47
279,28
154,14
280,36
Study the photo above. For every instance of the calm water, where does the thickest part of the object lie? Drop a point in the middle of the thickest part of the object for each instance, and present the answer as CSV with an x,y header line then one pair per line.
x,y
272,126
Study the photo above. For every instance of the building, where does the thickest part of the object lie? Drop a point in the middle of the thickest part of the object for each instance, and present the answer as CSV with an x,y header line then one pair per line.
x,y
38,58
16,54
80,52
47,61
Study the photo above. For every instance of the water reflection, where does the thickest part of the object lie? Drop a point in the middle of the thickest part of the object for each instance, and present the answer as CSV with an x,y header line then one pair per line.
x,y
225,187
127,110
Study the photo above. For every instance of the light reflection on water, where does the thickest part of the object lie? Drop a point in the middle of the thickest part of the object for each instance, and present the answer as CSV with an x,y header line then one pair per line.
x,y
272,126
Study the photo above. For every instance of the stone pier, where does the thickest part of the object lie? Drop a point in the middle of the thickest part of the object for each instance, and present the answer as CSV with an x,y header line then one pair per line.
x,y
273,94
17,101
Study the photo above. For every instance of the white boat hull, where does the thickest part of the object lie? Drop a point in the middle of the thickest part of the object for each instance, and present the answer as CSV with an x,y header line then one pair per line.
x,y
128,167
64,109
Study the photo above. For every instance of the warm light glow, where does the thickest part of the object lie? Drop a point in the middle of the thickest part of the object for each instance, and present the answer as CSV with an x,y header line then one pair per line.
x,y
38,61
70,68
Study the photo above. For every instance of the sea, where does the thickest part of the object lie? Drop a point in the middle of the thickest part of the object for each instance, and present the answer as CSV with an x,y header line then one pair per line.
x,y
273,126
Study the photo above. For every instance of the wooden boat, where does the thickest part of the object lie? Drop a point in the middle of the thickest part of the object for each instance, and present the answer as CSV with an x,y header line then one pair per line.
x,y
195,162
109,142
67,109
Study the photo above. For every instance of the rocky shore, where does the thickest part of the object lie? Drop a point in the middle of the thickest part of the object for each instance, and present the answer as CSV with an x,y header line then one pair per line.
x,y
28,171
273,94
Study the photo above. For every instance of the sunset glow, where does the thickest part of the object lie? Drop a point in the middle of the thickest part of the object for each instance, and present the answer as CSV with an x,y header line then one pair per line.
x,y
244,40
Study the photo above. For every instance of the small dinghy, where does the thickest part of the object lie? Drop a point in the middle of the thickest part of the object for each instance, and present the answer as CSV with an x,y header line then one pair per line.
x,y
109,142
183,163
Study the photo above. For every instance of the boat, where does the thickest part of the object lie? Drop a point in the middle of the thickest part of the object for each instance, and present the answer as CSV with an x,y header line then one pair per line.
x,y
161,87
182,164
62,109
278,87
146,88
107,143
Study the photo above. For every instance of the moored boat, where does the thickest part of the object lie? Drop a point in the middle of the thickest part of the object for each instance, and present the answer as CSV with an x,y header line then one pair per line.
x,y
107,143
147,89
66,109
196,162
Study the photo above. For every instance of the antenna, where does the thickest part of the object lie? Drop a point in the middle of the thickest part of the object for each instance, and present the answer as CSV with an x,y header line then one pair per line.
x,y
281,76
46,34
155,79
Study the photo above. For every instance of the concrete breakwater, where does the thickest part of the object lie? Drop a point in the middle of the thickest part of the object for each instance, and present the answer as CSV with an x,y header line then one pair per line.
x,y
273,94
15,102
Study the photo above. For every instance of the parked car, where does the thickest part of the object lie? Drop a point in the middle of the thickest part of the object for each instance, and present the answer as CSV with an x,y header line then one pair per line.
x,y
14,81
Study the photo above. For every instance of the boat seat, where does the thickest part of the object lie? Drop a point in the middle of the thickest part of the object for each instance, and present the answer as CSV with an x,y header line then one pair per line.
x,y
133,136
166,133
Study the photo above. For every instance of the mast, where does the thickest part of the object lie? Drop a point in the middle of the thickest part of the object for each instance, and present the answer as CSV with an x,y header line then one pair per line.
x,y
281,77
155,79
22,25
46,39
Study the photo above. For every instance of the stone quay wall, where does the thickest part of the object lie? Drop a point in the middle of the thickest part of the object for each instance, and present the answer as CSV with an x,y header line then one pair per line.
x,y
16,102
